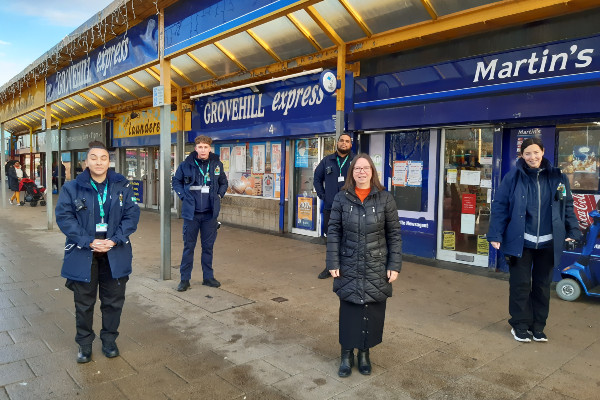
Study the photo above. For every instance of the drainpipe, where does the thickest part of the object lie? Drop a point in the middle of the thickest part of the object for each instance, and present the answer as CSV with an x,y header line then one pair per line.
x,y
282,188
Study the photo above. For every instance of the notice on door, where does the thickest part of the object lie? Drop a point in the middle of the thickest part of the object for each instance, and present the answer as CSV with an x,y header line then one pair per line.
x,y
467,223
483,246
449,240
470,177
305,213
469,203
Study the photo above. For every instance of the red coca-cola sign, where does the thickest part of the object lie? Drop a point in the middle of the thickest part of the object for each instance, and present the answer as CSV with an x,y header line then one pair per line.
x,y
583,204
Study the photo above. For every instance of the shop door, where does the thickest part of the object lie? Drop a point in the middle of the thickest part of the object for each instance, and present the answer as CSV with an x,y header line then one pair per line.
x,y
153,177
136,161
308,153
465,195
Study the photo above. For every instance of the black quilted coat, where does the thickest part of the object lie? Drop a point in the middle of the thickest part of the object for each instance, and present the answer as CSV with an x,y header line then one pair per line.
x,y
363,242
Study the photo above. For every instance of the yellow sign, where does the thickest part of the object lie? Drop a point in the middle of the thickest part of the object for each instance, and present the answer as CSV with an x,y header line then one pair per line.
x,y
483,246
305,213
449,240
146,123
28,100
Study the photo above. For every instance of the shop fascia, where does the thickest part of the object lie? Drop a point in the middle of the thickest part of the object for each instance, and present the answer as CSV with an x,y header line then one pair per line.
x,y
534,65
251,107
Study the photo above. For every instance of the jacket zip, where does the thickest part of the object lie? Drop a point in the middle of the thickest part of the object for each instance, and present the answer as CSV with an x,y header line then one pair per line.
x,y
537,240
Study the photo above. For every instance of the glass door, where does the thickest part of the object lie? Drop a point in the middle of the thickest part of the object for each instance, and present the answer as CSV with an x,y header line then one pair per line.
x,y
308,152
465,195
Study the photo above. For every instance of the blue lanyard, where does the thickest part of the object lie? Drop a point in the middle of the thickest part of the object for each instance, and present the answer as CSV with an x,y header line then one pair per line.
x,y
205,175
101,200
344,163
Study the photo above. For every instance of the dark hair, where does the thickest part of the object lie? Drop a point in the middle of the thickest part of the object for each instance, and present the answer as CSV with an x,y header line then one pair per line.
x,y
96,145
351,183
530,141
203,139
345,134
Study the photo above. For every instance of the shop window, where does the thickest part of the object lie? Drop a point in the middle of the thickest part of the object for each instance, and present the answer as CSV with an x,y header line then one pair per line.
x,y
578,156
252,168
409,161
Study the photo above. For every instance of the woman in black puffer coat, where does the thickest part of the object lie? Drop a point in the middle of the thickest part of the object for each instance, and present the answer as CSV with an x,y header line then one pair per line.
x,y
364,255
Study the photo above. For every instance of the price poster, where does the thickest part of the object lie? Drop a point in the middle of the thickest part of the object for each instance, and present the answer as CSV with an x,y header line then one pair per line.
x,y
483,246
449,240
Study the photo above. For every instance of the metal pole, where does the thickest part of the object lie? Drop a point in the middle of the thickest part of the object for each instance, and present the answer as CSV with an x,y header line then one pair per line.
x,y
59,164
165,191
179,156
49,199
3,163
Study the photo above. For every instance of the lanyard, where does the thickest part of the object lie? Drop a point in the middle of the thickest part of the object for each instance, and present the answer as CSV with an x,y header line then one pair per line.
x,y
202,172
101,200
344,163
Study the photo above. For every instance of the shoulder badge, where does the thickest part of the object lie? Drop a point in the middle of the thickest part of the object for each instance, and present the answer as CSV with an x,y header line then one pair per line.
x,y
217,170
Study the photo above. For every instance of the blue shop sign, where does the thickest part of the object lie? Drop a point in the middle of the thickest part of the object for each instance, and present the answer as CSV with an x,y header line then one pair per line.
x,y
297,106
137,46
561,63
189,22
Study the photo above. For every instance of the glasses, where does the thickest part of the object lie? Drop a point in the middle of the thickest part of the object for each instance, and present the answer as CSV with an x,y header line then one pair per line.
x,y
364,169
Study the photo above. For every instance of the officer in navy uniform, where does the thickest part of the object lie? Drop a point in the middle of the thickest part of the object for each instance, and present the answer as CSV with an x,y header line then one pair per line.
x,y
200,183
97,212
329,178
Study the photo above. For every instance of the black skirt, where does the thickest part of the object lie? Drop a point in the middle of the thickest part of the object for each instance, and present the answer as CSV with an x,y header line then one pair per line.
x,y
361,326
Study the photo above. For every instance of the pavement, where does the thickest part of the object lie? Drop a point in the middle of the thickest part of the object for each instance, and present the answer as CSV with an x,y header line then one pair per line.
x,y
270,331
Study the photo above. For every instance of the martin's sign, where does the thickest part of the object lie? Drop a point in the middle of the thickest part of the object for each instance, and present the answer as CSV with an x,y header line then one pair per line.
x,y
136,47
546,62
562,63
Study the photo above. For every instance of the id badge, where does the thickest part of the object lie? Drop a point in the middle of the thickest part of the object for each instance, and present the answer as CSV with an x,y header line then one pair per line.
x,y
205,189
101,227
340,179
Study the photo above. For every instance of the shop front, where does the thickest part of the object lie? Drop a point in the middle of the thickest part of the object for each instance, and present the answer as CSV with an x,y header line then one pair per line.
x,y
472,114
270,139
136,137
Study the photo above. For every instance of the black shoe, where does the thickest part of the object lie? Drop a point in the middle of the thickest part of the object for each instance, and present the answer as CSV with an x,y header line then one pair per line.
x,y
346,363
324,274
183,286
212,282
110,349
364,363
521,335
85,354
538,336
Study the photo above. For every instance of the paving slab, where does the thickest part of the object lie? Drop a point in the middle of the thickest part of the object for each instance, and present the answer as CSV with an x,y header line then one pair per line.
x,y
445,337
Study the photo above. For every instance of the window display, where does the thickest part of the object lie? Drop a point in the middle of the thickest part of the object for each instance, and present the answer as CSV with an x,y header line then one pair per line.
x,y
252,169
578,156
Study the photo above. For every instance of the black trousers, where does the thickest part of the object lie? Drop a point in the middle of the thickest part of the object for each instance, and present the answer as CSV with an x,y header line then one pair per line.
x,y
529,299
326,215
112,298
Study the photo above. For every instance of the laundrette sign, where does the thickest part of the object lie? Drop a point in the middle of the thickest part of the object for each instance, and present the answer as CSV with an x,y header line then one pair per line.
x,y
303,101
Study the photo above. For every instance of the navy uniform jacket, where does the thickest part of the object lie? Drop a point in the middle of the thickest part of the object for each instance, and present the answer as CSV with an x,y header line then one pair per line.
x,y
188,173
509,209
328,172
79,225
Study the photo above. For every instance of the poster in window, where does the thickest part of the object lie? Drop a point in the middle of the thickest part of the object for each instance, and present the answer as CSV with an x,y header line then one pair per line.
x,y
225,153
239,153
449,240
414,174
469,202
301,153
268,184
257,184
399,173
581,168
483,247
276,158
305,213
277,186
258,159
